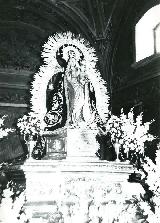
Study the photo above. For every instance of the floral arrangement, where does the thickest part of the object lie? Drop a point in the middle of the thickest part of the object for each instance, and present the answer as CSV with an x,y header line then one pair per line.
x,y
131,133
128,132
29,125
4,131
151,176
12,204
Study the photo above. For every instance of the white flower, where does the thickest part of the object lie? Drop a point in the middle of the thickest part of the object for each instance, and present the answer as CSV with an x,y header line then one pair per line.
x,y
4,131
1,121
145,207
29,124
134,133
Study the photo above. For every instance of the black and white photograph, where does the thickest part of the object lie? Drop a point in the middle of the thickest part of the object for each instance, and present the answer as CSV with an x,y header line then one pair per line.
x,y
79,111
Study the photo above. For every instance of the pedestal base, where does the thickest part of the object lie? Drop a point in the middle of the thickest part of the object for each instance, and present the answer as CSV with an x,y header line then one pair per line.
x,y
71,143
65,192
56,144
82,144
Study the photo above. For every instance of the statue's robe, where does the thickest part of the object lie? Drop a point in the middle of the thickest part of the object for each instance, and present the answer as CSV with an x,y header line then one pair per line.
x,y
56,109
58,106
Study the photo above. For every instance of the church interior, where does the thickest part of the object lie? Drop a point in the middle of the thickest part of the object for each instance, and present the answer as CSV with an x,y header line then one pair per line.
x,y
110,28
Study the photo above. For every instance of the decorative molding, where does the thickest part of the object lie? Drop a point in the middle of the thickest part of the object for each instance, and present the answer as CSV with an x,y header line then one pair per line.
x,y
13,105
146,61
12,71
15,86
81,192
137,81
14,96
50,166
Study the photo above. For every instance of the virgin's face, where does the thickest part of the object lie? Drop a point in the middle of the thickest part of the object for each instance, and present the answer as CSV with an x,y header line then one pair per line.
x,y
71,54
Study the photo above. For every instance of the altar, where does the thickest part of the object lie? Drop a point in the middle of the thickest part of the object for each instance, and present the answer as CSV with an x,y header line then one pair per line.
x,y
64,191
70,183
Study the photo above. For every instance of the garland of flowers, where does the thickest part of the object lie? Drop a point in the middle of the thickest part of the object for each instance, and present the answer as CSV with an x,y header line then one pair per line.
x,y
51,67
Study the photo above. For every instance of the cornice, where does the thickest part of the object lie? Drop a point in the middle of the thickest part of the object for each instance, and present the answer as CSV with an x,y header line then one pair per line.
x,y
12,71
16,105
14,86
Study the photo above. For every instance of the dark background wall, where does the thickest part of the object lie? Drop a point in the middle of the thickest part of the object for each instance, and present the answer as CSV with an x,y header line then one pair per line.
x,y
136,84
109,27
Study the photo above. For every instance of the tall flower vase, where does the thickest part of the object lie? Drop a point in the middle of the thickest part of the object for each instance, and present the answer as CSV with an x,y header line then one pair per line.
x,y
30,145
117,146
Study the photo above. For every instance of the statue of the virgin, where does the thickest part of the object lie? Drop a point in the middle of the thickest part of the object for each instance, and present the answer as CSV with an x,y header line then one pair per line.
x,y
72,101
76,94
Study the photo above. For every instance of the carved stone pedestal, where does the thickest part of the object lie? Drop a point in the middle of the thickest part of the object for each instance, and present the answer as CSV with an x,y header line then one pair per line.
x,y
56,144
81,144
71,143
79,188
61,191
